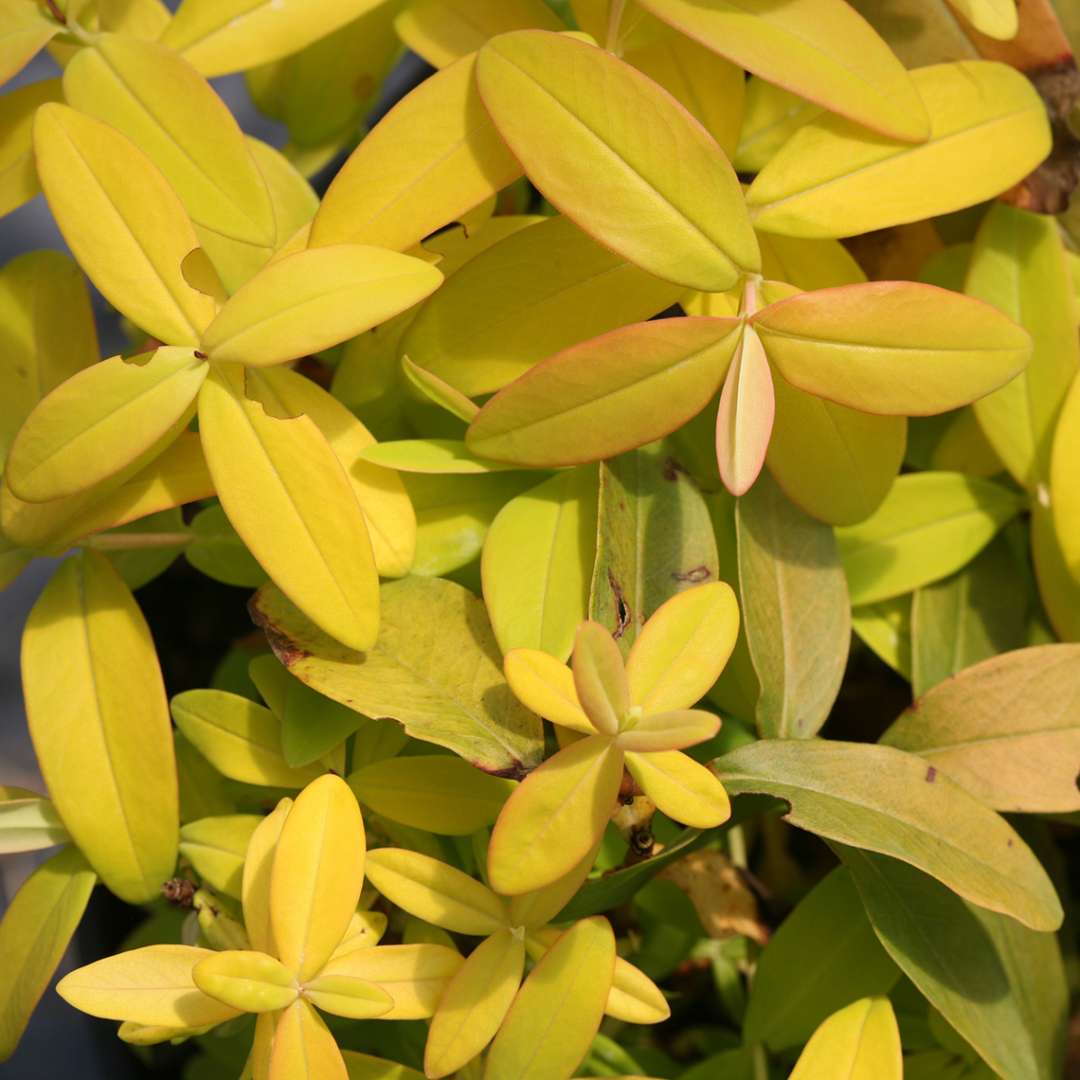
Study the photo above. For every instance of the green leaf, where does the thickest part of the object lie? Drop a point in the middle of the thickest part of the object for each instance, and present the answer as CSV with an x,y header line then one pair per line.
x,y
434,668
929,526
579,121
34,934
885,800
641,560
217,551
1005,729
821,49
988,130
999,984
829,942
537,558
795,611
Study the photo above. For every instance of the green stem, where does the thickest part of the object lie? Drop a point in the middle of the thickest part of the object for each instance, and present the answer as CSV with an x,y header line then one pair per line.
x,y
761,1062
736,839
615,16
137,541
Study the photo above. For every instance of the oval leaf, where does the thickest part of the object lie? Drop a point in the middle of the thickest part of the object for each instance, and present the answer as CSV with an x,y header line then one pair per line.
x,y
860,1041
248,981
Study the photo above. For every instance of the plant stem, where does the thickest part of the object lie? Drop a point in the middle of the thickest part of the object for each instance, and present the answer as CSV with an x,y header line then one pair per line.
x,y
736,839
761,1062
56,13
614,22
137,541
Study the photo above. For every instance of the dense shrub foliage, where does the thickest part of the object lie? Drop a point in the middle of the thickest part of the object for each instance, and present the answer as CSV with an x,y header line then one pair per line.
x,y
647,383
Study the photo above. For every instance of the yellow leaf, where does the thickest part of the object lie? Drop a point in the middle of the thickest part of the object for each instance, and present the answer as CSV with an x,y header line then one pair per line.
x,y
988,130
240,739
366,1067
806,264
171,113
581,122
315,299
439,391
382,496
674,730
317,875
255,885
18,177
744,421
258,1065
345,996
303,1047
141,18
34,934
366,929
546,686
152,985
891,347
535,909
220,36
437,793
476,1000
433,157
415,976
1064,489
600,678
771,115
682,649
1058,585
100,725
290,500
555,816
24,31
123,222
101,420
537,561
860,1041
435,892
634,997
442,31
28,822
558,1010
293,198
821,49
994,18
248,981
681,788
216,846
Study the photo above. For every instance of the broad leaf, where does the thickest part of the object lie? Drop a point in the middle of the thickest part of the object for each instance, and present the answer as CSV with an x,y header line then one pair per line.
x,y
439,391
100,725
674,730
891,802
579,121
795,611
994,18
861,1041
988,130
434,669
771,115
744,421
885,628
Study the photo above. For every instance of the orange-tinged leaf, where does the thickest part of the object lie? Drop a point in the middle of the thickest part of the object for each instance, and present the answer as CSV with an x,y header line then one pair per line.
x,y
475,1003
290,500
317,875
681,788
583,125
258,870
101,420
892,347
152,985
346,996
248,981
557,1011
303,1047
683,648
600,678
555,816
821,49
315,299
744,421
433,157
673,730
122,221
100,725
546,686
598,399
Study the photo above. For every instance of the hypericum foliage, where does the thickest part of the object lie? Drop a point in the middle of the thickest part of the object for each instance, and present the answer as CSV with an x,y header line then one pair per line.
x,y
587,485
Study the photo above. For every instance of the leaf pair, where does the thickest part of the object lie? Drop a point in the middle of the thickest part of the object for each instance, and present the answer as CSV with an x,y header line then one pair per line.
x,y
637,714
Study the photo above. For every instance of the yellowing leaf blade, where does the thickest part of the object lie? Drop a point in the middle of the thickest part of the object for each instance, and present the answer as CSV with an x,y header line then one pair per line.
x,y
861,1041
681,788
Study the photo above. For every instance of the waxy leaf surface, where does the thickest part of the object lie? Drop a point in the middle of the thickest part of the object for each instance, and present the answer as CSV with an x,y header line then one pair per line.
x,y
860,1041
249,981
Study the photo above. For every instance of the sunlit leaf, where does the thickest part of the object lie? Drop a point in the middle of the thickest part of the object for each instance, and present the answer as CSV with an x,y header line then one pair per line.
x,y
770,116
25,31
1059,586
346,996
18,176
600,678
681,788
432,456
216,846
1064,495
248,981
885,627
861,1041
546,686
744,422
303,1048
415,976
674,730
995,18
439,391
28,822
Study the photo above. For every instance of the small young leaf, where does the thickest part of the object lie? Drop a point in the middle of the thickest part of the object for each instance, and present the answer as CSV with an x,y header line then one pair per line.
x,y
345,996
600,678
860,1041
546,686
681,788
28,822
673,730
744,422
249,981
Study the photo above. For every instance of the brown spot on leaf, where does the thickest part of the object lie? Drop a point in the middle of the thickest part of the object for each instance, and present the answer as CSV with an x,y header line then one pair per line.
x,y
695,576
622,609
671,470
284,648
931,774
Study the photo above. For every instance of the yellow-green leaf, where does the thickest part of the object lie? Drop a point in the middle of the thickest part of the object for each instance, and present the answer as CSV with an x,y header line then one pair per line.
x,y
100,725
317,875
674,730
289,498
581,122
438,794
682,649
555,816
994,18
141,18
24,31
821,49
171,113
744,421
303,1047
346,996
101,420
439,391
433,157
249,981
770,116
366,1067
496,317
1059,584
681,788
122,221
475,1003
152,985
28,822
861,1042
537,562
315,299
18,176
436,457
216,846
415,976
891,347
34,934
557,1011
988,130
930,525
600,678
597,399
257,874
1064,490
240,739
546,686
634,997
